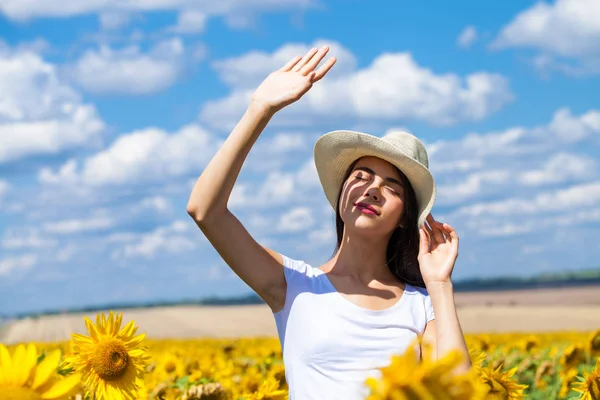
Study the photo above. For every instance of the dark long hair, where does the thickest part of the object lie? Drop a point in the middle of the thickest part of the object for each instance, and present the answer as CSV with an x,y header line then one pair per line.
x,y
403,246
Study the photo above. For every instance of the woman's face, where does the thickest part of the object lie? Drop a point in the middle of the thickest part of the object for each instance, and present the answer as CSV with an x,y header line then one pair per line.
x,y
375,182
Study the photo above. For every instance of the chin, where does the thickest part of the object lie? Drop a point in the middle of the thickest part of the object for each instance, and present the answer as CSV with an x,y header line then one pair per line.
x,y
371,227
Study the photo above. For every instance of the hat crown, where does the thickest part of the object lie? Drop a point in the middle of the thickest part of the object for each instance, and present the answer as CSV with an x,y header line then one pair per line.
x,y
408,144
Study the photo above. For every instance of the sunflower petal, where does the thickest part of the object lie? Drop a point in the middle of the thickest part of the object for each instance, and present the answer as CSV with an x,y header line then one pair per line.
x,y
45,369
118,322
63,388
110,325
135,340
91,328
137,353
81,338
5,364
20,366
126,329
29,363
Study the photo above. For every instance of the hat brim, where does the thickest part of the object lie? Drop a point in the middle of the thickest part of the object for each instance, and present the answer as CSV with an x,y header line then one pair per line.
x,y
335,151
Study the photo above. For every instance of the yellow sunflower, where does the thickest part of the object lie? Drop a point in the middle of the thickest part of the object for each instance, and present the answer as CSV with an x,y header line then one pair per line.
x,y
569,378
269,390
593,344
21,377
111,361
590,386
572,357
408,378
501,385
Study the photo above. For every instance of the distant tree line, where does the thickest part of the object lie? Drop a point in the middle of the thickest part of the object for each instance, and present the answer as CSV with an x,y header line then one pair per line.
x,y
556,280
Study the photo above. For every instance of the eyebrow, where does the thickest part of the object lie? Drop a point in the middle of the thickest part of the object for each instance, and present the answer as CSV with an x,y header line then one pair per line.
x,y
388,179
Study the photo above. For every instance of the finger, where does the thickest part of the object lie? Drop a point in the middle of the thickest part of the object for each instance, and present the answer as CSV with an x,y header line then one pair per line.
x,y
324,69
432,238
314,61
290,64
451,233
423,241
435,226
305,59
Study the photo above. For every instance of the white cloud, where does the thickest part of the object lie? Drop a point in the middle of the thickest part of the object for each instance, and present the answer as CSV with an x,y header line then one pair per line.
x,y
66,253
190,21
392,87
23,262
113,19
516,161
467,37
576,196
563,130
278,188
28,238
25,10
561,167
250,69
295,220
147,155
534,223
129,70
272,152
173,238
40,114
71,226
156,203
323,235
456,192
567,28
570,129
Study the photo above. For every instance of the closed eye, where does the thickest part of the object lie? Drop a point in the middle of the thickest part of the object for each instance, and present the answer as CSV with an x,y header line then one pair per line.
x,y
393,191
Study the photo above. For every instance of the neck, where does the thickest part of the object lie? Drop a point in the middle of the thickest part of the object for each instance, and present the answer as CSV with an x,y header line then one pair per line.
x,y
362,257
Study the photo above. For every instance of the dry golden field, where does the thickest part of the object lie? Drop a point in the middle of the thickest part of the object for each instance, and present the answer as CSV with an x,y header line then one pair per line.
x,y
540,310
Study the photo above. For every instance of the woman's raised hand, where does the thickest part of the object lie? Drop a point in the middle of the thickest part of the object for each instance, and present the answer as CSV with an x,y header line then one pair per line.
x,y
290,82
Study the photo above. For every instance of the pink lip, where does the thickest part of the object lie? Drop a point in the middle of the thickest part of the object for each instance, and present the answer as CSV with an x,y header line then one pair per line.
x,y
366,211
366,208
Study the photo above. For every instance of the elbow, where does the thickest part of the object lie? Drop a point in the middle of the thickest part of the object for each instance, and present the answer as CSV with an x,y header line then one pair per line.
x,y
202,214
195,212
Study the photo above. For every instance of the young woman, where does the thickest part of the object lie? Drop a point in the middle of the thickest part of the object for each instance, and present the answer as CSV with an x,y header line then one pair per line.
x,y
389,279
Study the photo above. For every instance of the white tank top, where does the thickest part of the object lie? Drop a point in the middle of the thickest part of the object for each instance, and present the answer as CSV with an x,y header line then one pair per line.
x,y
331,345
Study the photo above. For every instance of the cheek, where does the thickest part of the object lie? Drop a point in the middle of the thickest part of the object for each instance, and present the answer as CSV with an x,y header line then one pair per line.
x,y
396,206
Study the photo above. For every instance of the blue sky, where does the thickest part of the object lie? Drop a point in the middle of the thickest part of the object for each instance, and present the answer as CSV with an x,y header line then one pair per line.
x,y
108,116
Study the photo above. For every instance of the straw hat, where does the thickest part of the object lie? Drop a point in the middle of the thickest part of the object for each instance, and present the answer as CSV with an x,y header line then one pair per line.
x,y
336,150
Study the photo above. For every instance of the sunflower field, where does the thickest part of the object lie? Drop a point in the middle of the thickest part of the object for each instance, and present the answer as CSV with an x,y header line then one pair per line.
x,y
112,362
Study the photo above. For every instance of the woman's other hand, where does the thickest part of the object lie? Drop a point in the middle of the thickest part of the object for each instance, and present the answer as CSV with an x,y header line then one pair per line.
x,y
290,82
438,251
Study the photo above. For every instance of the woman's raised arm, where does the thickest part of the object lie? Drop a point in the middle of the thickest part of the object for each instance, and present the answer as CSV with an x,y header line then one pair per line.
x,y
259,267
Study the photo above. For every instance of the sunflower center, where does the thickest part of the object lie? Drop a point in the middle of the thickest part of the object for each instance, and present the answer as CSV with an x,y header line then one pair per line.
x,y
110,360
170,366
19,393
596,342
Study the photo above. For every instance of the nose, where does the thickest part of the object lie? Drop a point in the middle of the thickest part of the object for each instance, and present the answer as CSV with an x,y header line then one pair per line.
x,y
373,191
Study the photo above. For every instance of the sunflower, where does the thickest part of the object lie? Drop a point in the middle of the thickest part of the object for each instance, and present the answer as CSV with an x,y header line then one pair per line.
x,y
569,378
111,362
408,378
572,357
593,344
501,385
528,343
21,377
590,386
269,390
